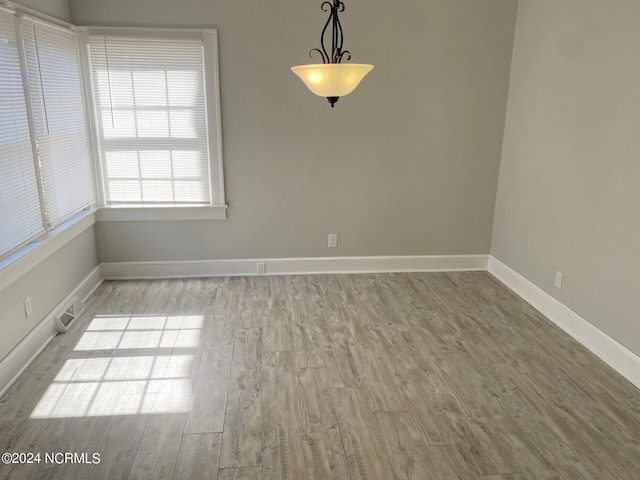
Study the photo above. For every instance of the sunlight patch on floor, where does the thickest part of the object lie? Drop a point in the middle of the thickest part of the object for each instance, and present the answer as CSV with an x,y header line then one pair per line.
x,y
138,382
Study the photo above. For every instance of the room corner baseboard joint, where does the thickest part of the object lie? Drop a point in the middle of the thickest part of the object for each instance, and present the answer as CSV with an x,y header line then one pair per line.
x,y
617,356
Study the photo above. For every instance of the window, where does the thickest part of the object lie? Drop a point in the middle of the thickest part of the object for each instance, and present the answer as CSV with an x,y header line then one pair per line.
x,y
20,214
45,168
55,90
156,110
143,104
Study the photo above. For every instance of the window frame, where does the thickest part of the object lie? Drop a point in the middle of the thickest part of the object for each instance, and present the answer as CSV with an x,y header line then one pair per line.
x,y
28,140
22,257
22,20
217,209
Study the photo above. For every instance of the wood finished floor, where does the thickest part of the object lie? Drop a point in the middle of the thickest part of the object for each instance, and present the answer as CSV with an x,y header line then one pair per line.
x,y
421,376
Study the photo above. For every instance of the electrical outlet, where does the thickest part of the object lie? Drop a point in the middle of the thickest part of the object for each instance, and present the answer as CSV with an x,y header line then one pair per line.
x,y
333,240
262,268
559,279
28,308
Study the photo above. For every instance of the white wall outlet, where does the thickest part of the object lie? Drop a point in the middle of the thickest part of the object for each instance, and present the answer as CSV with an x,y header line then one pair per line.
x,y
333,240
559,279
262,268
28,308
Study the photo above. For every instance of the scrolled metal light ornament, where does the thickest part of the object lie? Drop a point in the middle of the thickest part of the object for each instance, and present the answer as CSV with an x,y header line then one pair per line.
x,y
332,79
337,37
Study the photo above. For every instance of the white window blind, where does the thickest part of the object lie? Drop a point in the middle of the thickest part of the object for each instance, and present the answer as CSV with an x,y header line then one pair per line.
x,y
55,88
149,96
20,214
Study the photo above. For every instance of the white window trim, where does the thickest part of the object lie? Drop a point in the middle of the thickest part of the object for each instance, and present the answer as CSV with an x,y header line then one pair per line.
x,y
13,7
166,214
217,210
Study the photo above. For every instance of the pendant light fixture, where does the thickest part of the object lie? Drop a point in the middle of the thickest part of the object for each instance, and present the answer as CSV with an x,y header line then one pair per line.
x,y
332,79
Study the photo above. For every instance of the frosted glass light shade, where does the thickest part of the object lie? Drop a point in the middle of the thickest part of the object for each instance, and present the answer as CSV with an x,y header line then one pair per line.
x,y
332,79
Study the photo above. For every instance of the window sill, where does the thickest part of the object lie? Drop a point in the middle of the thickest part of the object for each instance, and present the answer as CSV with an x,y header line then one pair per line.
x,y
17,264
161,214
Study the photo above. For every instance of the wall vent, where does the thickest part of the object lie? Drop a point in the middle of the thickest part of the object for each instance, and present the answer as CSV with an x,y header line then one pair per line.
x,y
69,314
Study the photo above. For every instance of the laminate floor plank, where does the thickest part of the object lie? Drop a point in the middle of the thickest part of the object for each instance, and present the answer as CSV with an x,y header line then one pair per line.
x,y
118,447
323,448
310,333
372,376
515,476
253,304
158,450
227,299
240,473
283,419
242,430
278,321
361,434
464,461
198,457
440,413
206,413
410,455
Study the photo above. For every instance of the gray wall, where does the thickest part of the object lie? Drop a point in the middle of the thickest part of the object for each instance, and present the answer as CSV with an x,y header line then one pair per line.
x,y
569,196
47,284
406,165
55,8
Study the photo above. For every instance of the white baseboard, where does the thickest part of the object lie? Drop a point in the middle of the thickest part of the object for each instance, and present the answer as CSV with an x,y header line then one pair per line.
x,y
618,357
33,344
288,266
